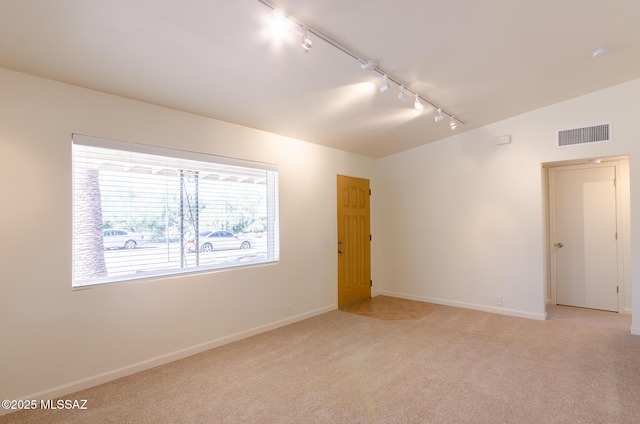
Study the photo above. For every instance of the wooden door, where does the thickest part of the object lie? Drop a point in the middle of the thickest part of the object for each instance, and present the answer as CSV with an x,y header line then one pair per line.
x,y
354,240
584,236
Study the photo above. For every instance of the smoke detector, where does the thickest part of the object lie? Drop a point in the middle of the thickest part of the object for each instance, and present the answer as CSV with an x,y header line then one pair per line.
x,y
600,51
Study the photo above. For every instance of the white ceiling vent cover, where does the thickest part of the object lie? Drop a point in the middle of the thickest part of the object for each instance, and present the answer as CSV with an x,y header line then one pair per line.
x,y
595,134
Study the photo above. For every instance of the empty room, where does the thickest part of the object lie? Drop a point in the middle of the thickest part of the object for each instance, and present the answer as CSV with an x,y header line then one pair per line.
x,y
320,212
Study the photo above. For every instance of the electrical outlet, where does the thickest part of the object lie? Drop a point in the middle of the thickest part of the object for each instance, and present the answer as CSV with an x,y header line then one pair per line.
x,y
498,300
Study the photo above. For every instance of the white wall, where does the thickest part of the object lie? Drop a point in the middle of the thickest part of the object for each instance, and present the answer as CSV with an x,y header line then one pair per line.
x,y
55,340
464,217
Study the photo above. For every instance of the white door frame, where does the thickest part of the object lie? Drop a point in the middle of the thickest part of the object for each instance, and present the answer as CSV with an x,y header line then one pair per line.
x,y
622,229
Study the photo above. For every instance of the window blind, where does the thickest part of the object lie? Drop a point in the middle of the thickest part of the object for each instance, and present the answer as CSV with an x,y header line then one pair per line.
x,y
141,211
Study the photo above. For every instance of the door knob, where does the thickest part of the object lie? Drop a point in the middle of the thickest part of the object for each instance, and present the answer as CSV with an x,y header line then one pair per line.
x,y
558,245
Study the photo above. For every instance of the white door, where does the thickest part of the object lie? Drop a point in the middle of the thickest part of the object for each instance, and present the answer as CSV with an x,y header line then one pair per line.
x,y
584,238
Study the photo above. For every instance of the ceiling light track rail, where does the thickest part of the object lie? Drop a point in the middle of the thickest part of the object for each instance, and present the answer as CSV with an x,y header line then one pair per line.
x,y
367,64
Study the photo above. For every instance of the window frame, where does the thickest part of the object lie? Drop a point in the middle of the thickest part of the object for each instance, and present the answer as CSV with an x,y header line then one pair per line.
x,y
271,198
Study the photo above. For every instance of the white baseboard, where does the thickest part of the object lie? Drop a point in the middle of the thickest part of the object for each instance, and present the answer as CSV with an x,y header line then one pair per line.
x,y
97,379
484,308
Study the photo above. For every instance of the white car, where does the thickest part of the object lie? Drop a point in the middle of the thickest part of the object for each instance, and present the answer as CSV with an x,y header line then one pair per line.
x,y
121,239
220,240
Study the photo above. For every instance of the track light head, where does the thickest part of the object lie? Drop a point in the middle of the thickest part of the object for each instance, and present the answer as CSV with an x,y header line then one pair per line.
x,y
385,84
439,117
453,124
368,65
402,95
306,43
418,105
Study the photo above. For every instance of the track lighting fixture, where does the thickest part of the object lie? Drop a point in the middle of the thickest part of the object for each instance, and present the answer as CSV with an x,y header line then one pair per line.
x,y
417,105
306,42
367,64
402,95
385,84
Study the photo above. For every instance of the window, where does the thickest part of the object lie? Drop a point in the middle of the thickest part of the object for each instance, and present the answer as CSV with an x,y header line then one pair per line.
x,y
142,211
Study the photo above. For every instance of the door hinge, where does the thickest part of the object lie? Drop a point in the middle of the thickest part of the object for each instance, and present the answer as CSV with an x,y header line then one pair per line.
x,y
370,237
617,289
369,192
370,283
616,235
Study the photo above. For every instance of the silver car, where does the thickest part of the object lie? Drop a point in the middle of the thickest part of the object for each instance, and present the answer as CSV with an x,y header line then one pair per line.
x,y
221,240
121,239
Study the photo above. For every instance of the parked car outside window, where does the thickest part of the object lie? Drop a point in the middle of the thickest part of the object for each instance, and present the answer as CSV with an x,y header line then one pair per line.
x,y
121,239
211,240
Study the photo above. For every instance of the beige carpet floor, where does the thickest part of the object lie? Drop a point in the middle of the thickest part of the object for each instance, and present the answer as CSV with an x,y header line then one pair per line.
x,y
451,366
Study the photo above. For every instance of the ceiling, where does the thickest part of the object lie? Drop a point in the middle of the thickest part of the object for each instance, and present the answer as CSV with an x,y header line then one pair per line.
x,y
482,61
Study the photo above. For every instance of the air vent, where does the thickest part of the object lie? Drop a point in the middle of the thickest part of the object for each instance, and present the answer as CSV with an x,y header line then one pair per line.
x,y
595,134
